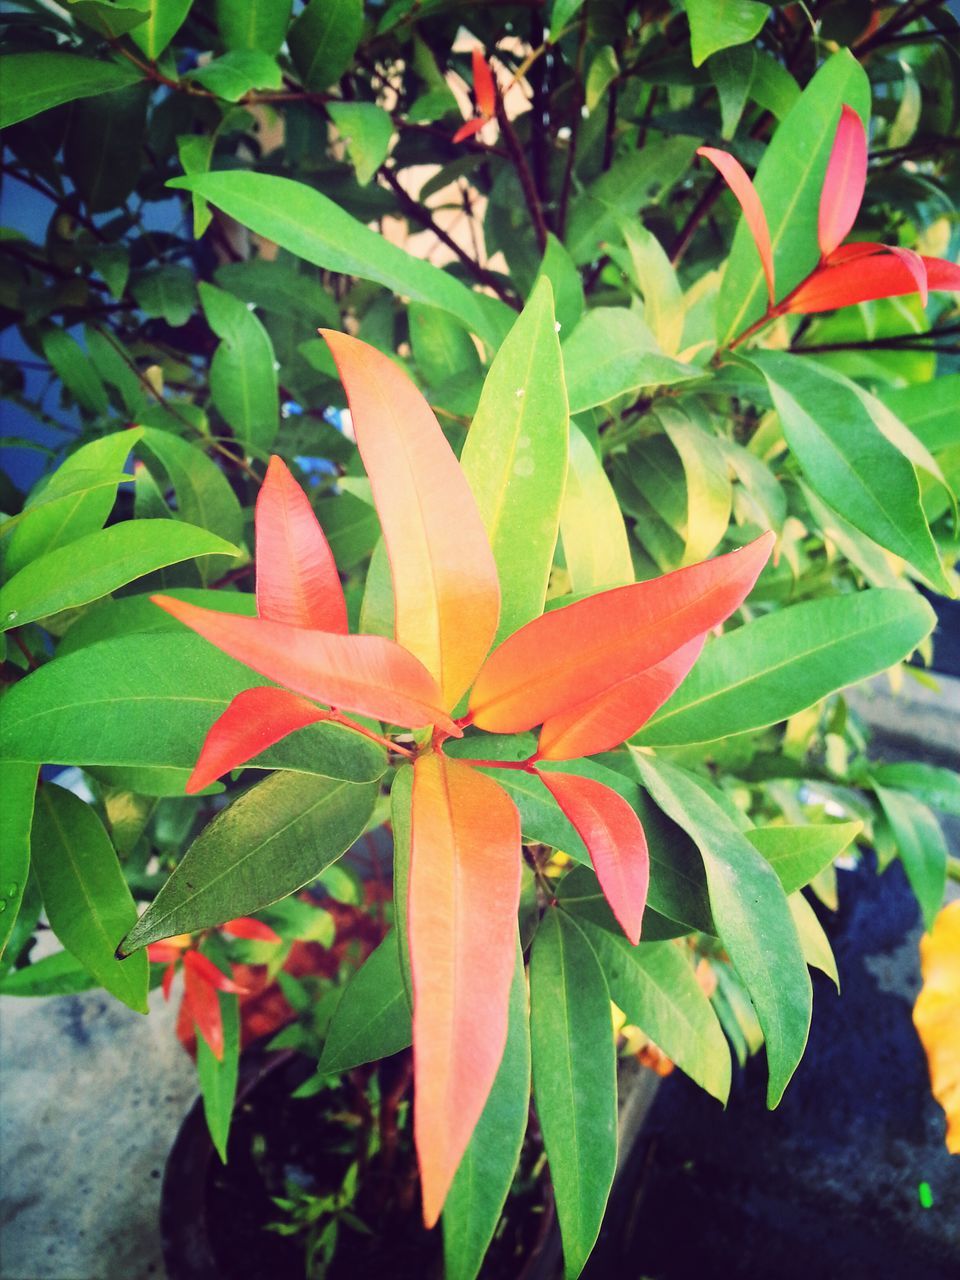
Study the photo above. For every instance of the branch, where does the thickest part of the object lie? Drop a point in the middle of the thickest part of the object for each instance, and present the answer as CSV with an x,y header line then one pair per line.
x,y
524,174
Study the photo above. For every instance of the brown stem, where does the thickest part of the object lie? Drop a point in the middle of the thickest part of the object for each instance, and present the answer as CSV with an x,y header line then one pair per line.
x,y
524,175
579,98
907,13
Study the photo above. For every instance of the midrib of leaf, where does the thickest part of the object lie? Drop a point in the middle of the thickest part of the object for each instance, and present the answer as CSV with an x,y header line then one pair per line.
x,y
501,496
567,1041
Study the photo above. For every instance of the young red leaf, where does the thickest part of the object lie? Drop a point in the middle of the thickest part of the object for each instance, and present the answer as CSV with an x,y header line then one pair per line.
x,y
484,86
867,249
615,841
464,891
736,178
603,723
366,674
447,595
570,656
167,984
844,181
468,129
203,1005
864,279
297,579
247,927
254,720
205,970
163,953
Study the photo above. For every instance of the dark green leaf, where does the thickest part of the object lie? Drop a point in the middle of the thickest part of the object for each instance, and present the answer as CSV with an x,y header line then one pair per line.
x,y
928,783
253,24
169,292
218,1077
323,40
243,376
60,974
367,131
16,815
921,846
35,82
74,370
107,173
372,1018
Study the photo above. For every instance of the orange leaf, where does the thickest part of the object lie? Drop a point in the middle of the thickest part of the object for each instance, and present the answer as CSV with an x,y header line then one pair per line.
x,y
168,976
297,579
444,576
205,970
468,129
864,279
615,841
603,723
936,1014
464,892
162,953
203,1005
844,181
573,655
736,178
860,249
247,927
254,720
365,674
484,85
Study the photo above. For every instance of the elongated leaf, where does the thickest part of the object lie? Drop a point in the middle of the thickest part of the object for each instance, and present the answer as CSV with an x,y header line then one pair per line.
x,y
440,559
928,783
785,662
35,82
788,183
323,40
367,131
96,564
463,898
515,458
572,655
442,349
310,225
560,270
798,854
595,544
882,275
813,940
849,460
365,674
401,797
709,492
609,354
164,19
275,838
153,699
372,1017
574,1079
752,915
921,846
614,839
218,1076
85,896
935,1015
479,1190
928,409
60,974
652,272
843,183
721,24
74,370
16,815
735,176
243,376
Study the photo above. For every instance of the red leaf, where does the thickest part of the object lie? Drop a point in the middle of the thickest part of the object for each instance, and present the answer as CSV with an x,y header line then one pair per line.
x,y
570,656
444,576
464,892
203,1005
615,841
247,927
603,723
254,720
861,249
297,579
163,953
468,129
168,976
864,279
205,970
484,85
366,674
844,181
737,180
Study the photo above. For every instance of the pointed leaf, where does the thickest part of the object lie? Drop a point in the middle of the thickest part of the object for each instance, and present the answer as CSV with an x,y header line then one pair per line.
x,y
16,816
440,558
722,24
372,1017
85,896
798,854
936,1013
203,968
813,940
515,458
243,374
463,898
164,19
595,544
275,838
35,82
323,39
365,674
615,841
468,130
865,279
253,930
366,131
217,1075
574,1079
736,178
921,847
484,86
843,182
570,656
401,796
931,784
610,354
203,1005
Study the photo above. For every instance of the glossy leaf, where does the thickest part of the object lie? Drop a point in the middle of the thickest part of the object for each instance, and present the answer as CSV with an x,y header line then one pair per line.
x,y
372,1017
929,783
751,912
236,72
98,563
74,370
253,24
721,24
864,279
59,974
367,131
560,270
275,838
614,839
85,896
440,560
16,815
798,854
479,1190
609,354
464,892
709,494
515,458
921,847
323,39
574,1079
843,183
164,19
572,655
736,178
813,940
243,376
203,1006
928,409
786,661
595,545
35,82
217,1074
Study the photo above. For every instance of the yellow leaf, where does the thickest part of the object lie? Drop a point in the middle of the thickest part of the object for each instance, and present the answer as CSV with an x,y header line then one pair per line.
x,y
936,1015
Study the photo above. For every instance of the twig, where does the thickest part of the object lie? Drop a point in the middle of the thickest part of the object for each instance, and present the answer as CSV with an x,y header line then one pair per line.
x,y
579,98
524,175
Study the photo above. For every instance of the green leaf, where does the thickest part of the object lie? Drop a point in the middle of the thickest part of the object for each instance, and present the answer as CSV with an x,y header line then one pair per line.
x,y
849,460
131,615
928,783
474,1203
732,71
752,915
74,370
608,355
367,132
235,73
281,288
816,946
16,815
323,40
442,349
106,174
169,292
574,1079
401,800
115,368
218,1077
921,847
655,986
75,500
595,544
879,568
312,227
148,701
561,271
709,494
604,69
352,528
772,87
562,12
164,20
35,82
274,839
653,274
929,409
799,854
195,153
60,974
85,896
720,24
372,1018
253,24
788,181
786,661
579,892
243,375
515,458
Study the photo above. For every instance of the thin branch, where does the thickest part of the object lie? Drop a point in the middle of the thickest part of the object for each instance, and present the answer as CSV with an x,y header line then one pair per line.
x,y
524,175
579,98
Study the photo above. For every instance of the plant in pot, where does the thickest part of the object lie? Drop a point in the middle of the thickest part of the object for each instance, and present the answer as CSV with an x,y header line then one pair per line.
x,y
605,609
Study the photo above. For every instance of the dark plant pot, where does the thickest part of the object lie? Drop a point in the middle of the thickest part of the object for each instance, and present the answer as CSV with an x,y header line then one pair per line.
x,y
212,1217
